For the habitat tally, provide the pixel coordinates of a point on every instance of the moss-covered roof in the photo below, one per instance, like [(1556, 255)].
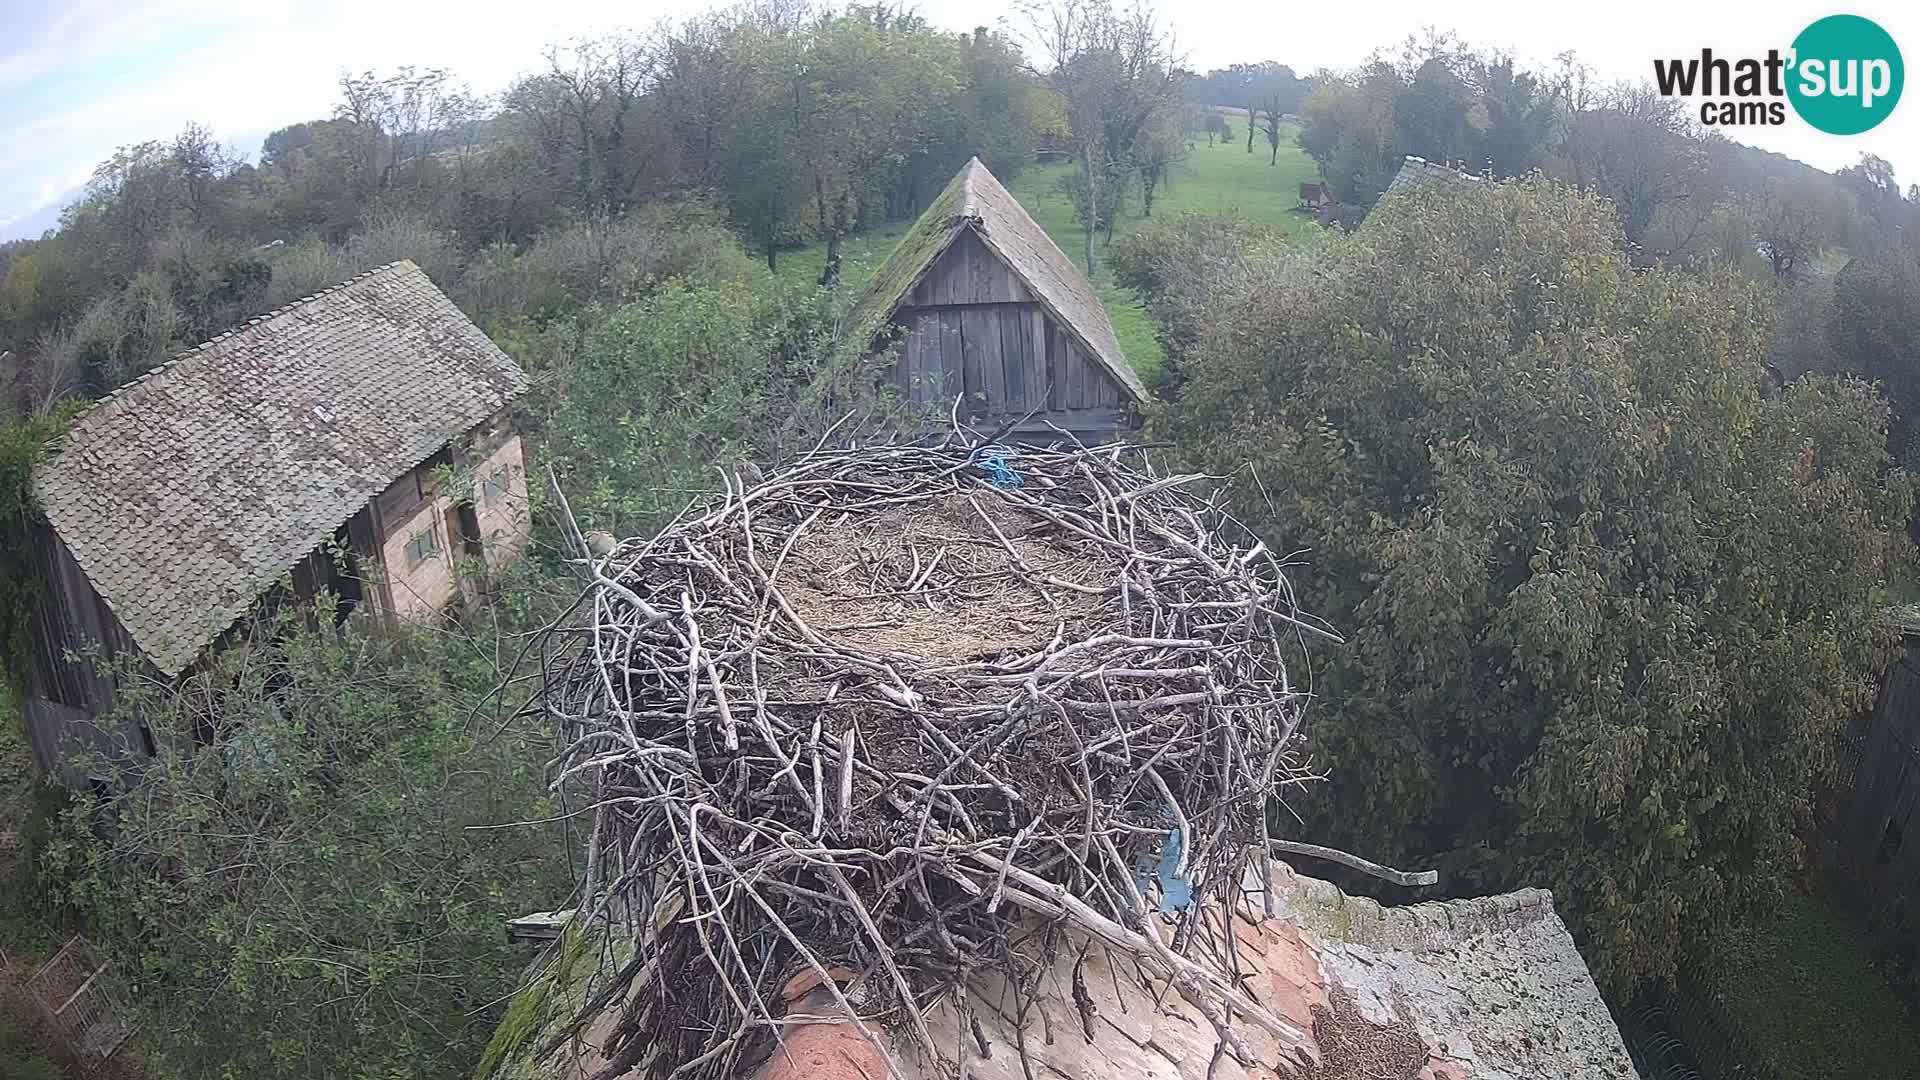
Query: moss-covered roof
[(975, 200)]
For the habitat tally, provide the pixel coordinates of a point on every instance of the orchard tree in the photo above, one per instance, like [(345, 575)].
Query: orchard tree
[(1117, 75), (1346, 126), (1606, 604), (1272, 110)]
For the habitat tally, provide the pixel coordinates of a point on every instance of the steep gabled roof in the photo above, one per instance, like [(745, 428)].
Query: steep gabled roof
[(184, 494), (974, 200)]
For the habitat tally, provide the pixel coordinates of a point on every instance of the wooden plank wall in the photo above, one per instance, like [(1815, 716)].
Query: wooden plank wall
[(75, 637), (968, 274), (973, 327), (1879, 827), (1868, 820)]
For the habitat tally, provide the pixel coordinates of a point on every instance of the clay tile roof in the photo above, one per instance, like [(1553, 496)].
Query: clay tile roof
[(185, 493), (1489, 988), (975, 200)]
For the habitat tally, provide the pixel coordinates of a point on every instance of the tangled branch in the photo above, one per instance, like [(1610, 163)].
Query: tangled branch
[(892, 713)]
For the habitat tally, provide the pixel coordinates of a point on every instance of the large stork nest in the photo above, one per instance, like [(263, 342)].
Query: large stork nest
[(876, 719)]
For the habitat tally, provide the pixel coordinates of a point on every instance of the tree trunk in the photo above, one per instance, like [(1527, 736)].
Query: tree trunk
[(1276, 153), (831, 226), (1249, 129), (1093, 211), (830, 275)]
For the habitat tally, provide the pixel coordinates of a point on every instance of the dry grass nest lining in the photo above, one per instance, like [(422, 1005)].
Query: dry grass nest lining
[(875, 714)]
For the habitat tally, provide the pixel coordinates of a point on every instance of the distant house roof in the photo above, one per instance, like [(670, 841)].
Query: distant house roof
[(974, 200), (184, 494), (1483, 989), (1419, 174)]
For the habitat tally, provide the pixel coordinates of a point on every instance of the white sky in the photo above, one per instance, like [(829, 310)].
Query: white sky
[(80, 77)]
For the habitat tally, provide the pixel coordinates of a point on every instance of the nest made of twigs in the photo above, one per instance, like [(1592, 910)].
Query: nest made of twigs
[(878, 713)]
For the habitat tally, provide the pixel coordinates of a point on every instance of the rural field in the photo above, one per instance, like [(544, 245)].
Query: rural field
[(1214, 179)]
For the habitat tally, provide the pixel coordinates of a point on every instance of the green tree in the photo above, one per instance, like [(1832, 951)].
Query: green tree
[(1346, 126), (1606, 603), (643, 406), (1433, 114), (1874, 327), (1640, 150), (1117, 76), (873, 87), (1518, 110)]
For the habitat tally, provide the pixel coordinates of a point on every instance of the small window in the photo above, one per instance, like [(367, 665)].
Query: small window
[(496, 486), (421, 547)]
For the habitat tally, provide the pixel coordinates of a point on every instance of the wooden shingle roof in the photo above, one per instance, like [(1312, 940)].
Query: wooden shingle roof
[(184, 494), (975, 200)]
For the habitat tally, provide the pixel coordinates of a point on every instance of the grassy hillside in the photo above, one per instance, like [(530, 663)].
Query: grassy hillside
[(1802, 983), (1213, 179)]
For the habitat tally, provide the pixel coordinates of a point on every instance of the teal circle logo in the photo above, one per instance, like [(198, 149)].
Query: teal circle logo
[(1846, 75)]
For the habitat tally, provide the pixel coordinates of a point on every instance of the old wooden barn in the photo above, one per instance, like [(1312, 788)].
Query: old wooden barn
[(989, 311), (357, 442)]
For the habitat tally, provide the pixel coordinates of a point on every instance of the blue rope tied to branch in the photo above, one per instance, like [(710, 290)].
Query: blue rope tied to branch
[(1176, 889), (993, 461)]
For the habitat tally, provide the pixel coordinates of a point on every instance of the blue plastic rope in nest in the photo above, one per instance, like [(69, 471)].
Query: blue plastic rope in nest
[(992, 460)]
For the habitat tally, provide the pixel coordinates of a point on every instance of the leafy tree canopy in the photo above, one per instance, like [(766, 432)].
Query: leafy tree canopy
[(1606, 602), (1874, 329)]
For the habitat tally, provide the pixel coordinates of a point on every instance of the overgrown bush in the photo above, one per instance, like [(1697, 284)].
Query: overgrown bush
[(302, 269), (1606, 603), (1178, 265), (598, 261), (639, 405), (311, 878), (22, 443)]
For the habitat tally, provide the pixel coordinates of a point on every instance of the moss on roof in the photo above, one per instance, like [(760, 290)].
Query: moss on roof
[(944, 217), (973, 199)]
